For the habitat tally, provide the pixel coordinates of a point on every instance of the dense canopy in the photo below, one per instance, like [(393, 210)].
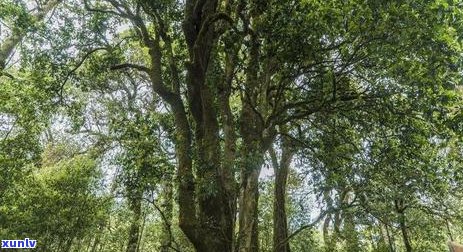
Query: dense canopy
[(231, 125)]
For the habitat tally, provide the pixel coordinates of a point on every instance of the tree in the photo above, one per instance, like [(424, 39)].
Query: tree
[(338, 70), (281, 167), (352, 86), (58, 203), (23, 22)]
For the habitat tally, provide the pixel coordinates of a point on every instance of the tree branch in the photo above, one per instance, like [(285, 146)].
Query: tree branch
[(130, 65)]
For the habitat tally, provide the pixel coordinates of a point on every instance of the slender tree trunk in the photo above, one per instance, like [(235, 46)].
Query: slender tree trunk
[(166, 208), (449, 232), (280, 225), (229, 131), (248, 211), (256, 140), (142, 229), (400, 209), (134, 231), (389, 239), (252, 151), (403, 228), (329, 246), (326, 234)]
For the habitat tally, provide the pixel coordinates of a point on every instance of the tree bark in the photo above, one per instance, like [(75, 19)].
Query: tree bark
[(167, 208), (142, 229), (207, 199), (215, 195), (390, 240), (252, 153), (403, 228), (455, 247), (248, 203), (229, 150), (280, 225), (256, 140), (400, 209)]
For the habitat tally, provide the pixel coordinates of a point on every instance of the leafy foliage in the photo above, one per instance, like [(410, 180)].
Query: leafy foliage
[(177, 106)]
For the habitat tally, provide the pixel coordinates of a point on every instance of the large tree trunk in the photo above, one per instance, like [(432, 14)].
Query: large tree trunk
[(215, 187), (205, 212), (280, 225), (207, 201)]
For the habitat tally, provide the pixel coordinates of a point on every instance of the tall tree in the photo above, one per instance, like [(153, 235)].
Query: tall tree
[(338, 69), (281, 167), (232, 73)]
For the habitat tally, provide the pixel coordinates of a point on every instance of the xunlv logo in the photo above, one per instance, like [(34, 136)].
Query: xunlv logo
[(26, 243)]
